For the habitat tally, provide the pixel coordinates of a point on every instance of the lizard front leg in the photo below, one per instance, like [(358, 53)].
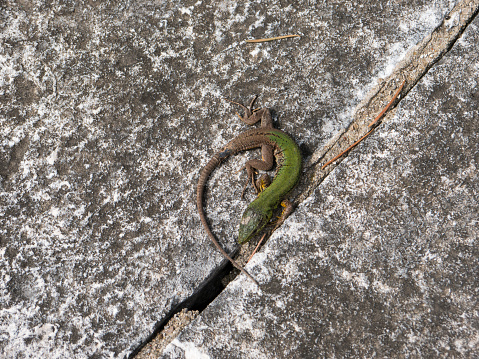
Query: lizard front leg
[(287, 210), (260, 184), (265, 164), (263, 182)]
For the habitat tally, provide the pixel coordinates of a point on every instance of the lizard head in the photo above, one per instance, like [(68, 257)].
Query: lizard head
[(251, 223)]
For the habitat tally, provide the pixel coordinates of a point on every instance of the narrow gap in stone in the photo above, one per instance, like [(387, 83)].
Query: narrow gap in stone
[(207, 292), (212, 287)]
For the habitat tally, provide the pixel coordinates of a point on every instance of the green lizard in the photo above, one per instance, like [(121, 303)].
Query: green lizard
[(273, 143)]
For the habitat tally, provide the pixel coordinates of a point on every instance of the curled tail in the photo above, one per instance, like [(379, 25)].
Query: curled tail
[(205, 173)]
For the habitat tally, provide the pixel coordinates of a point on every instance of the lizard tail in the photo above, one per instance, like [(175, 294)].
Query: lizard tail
[(205, 173)]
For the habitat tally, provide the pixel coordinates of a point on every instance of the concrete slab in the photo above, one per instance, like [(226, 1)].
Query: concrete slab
[(382, 259), (107, 112)]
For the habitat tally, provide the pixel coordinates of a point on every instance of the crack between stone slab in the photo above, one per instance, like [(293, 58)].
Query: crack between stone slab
[(164, 331), (412, 68), (183, 313)]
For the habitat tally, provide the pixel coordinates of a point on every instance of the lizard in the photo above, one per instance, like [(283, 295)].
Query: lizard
[(274, 143)]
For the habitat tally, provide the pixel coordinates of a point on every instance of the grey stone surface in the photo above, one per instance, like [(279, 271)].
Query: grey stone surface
[(382, 260), (107, 112)]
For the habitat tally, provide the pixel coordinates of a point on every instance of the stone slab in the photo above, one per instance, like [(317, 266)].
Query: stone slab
[(382, 259), (107, 112)]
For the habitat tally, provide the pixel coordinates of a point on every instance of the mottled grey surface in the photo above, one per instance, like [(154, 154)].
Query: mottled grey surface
[(382, 260), (107, 112)]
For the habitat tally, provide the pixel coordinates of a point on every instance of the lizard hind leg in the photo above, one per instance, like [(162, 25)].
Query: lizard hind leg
[(250, 177), (248, 110), (252, 116), (265, 164)]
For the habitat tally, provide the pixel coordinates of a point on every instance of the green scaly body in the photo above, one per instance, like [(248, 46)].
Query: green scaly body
[(288, 159), (259, 212)]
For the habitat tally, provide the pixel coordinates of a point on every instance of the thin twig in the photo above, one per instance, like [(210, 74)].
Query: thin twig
[(271, 38), (388, 105), (396, 94), (252, 254), (347, 150)]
